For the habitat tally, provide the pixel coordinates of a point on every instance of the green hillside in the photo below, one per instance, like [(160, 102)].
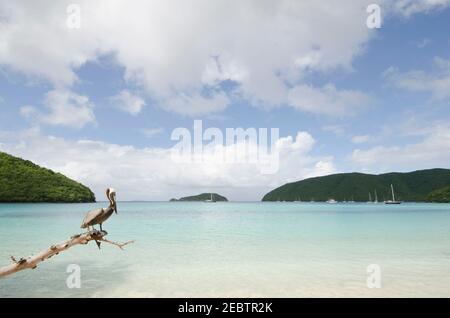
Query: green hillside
[(203, 197), (411, 186), (440, 195), (23, 181)]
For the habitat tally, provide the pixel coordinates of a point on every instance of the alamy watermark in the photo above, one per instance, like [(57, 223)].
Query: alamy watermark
[(236, 146), (374, 19), (73, 16), (374, 277), (74, 278)]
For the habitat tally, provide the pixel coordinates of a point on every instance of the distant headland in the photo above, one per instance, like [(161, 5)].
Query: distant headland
[(432, 185), (23, 181)]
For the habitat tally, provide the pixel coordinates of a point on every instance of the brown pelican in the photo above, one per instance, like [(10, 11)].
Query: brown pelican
[(101, 215)]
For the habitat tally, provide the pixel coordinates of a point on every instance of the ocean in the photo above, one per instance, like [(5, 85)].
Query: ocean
[(234, 249)]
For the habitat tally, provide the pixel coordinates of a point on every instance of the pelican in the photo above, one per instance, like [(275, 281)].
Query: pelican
[(101, 215)]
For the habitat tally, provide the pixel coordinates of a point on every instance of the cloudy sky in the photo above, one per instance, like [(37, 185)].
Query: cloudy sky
[(99, 100)]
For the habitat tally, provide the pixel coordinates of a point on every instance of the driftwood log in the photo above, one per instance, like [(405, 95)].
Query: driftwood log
[(31, 262)]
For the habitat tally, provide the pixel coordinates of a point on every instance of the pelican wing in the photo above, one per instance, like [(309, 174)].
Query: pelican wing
[(90, 217)]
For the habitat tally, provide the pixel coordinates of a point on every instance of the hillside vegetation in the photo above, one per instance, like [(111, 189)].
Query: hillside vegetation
[(23, 181), (202, 197), (440, 195), (411, 186)]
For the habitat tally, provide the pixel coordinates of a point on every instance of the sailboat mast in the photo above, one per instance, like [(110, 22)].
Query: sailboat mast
[(376, 196), (393, 196)]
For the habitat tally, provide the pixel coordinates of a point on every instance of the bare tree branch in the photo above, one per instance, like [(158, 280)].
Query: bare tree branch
[(33, 261), (119, 245)]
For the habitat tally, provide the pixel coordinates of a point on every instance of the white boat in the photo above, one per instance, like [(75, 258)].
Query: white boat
[(332, 201), (393, 201), (211, 199), (370, 198)]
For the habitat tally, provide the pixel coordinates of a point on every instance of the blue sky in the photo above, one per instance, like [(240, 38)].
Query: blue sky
[(372, 100)]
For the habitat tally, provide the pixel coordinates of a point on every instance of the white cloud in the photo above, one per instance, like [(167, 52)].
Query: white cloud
[(436, 82), (177, 47), (327, 100), (151, 132), (423, 43), (176, 50), (66, 108), (150, 173), (303, 142), (28, 111), (410, 7), (432, 151), (129, 102), (335, 129), (196, 104), (359, 139)]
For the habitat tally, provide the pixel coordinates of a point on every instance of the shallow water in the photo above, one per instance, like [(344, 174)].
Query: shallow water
[(195, 249)]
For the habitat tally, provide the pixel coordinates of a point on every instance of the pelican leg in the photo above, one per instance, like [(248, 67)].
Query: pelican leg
[(101, 227)]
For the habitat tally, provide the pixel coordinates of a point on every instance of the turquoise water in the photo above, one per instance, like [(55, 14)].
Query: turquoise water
[(234, 249)]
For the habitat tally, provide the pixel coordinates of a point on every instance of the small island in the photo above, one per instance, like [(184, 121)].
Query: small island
[(206, 197), (22, 181)]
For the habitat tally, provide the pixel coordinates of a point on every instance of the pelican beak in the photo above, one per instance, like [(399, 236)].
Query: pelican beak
[(115, 207)]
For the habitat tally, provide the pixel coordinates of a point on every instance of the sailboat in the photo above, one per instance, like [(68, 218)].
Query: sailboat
[(211, 199), (370, 198), (393, 198), (376, 197)]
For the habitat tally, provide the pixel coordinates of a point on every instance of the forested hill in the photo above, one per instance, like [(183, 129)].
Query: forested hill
[(411, 186), (23, 181), (203, 197), (440, 195)]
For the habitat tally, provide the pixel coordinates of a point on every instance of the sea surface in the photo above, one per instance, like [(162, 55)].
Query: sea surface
[(231, 249)]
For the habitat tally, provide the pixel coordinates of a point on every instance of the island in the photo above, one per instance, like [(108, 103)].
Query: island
[(416, 186), (207, 197), (23, 181)]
